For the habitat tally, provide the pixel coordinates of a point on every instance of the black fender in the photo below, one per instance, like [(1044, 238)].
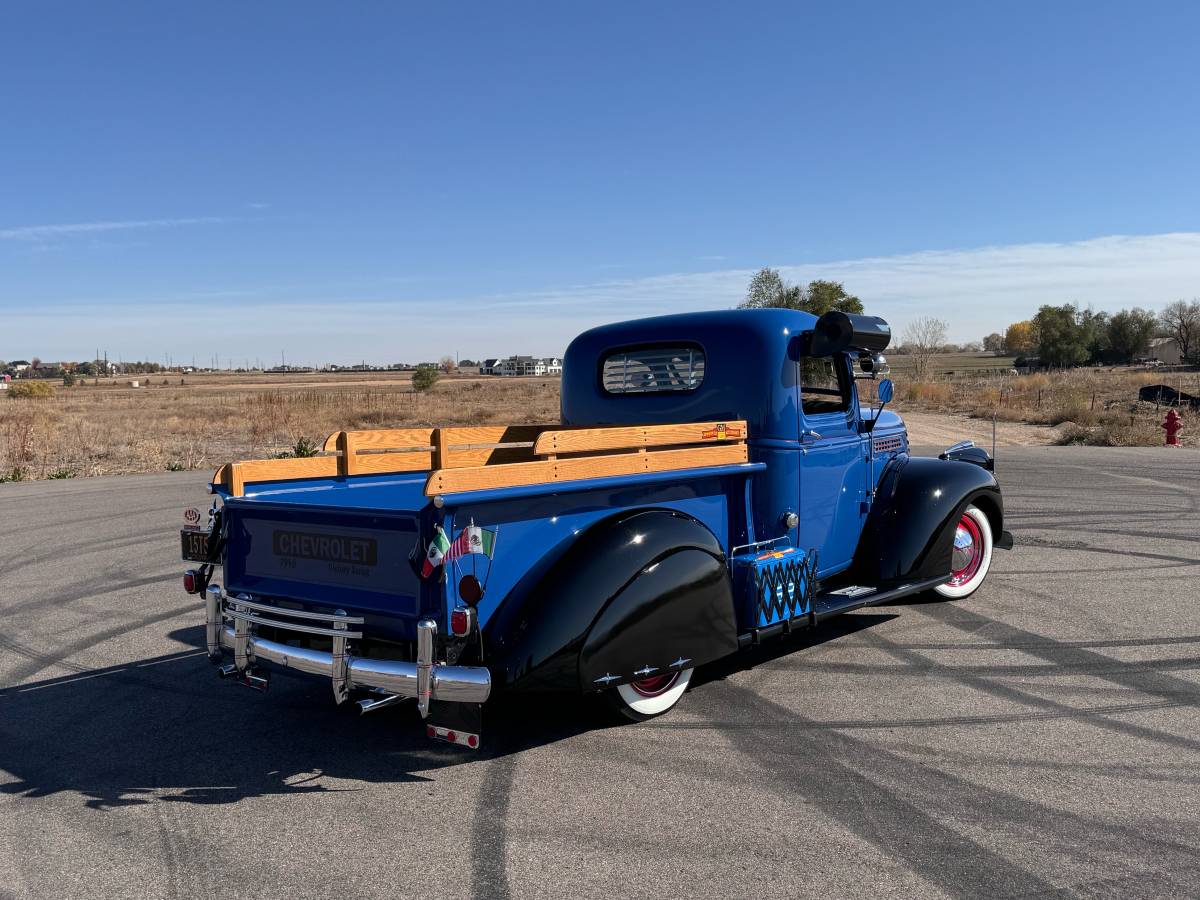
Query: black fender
[(909, 533), (644, 587)]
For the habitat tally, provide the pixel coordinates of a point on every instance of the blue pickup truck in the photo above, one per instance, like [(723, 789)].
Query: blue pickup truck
[(716, 479)]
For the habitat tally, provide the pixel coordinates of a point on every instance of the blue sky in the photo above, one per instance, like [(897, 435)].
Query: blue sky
[(393, 181)]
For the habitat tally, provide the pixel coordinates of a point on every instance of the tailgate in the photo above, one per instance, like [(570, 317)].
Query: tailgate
[(355, 560)]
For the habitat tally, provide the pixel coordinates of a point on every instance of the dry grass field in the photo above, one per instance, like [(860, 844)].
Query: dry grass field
[(1097, 406), (111, 429)]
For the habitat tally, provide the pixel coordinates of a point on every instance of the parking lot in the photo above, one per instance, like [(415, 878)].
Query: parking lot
[(1040, 739)]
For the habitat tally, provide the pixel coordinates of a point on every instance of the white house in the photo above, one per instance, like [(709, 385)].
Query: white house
[(1167, 349)]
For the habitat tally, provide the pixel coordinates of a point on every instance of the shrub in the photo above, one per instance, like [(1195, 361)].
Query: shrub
[(30, 390), (304, 448), (424, 379), (62, 473), (68, 379)]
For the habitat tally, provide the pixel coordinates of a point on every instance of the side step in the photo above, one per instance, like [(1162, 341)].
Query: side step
[(828, 604)]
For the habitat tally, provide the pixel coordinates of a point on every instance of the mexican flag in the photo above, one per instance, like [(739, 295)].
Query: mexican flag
[(436, 552), (472, 539)]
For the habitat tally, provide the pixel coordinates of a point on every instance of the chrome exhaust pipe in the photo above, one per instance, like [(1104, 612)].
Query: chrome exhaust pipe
[(371, 704)]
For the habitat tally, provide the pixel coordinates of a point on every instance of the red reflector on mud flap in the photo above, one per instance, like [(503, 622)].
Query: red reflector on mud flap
[(189, 581), (460, 621)]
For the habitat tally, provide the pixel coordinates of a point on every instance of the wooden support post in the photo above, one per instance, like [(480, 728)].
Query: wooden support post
[(439, 449), (348, 461)]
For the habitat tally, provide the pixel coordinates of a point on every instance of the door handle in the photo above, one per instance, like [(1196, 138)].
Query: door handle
[(809, 433)]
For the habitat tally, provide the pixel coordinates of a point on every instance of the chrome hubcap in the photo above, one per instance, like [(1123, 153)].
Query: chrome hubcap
[(964, 549)]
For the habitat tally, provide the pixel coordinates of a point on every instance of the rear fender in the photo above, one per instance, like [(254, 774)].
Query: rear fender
[(909, 534), (657, 570)]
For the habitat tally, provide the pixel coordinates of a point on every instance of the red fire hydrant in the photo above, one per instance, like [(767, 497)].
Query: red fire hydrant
[(1173, 424)]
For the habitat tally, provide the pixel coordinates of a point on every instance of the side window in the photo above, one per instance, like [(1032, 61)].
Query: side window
[(652, 370), (824, 386)]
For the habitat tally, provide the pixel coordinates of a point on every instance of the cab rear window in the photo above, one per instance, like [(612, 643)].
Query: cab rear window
[(824, 386), (651, 370)]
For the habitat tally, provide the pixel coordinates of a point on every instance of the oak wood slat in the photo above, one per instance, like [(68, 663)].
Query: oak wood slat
[(450, 481), (384, 439), (478, 445), (582, 440)]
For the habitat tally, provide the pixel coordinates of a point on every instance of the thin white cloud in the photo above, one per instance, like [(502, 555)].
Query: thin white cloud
[(976, 290), (44, 232)]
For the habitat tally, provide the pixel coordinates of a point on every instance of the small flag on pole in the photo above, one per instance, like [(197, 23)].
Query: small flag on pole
[(436, 552), (472, 539)]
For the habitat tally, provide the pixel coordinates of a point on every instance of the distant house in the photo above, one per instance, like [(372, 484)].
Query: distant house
[(521, 365), (1166, 349)]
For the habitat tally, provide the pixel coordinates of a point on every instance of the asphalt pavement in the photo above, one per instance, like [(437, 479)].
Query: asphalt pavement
[(1039, 739)]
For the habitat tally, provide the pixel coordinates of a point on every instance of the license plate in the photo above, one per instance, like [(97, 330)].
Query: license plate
[(196, 545)]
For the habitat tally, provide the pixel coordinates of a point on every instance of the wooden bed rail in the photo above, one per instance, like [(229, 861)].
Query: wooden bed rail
[(477, 458)]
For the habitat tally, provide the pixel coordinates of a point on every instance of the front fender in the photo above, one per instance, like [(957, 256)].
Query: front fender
[(909, 534), (536, 637)]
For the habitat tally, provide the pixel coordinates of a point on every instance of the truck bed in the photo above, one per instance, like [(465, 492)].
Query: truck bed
[(427, 462)]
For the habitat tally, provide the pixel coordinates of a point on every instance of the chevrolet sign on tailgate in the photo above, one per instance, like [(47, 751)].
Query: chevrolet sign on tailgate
[(375, 560)]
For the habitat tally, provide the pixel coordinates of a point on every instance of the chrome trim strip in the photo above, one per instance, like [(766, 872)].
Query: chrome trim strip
[(426, 635), (295, 613), (212, 621), (288, 626)]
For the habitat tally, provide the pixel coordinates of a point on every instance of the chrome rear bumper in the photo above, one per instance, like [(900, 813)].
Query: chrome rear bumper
[(425, 679)]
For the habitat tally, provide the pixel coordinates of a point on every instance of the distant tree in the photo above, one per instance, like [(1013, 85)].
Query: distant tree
[(467, 364), (447, 364), (822, 296), (994, 342), (768, 290), (35, 364), (1020, 337), (1129, 333), (924, 337), (424, 378), (1062, 338), (68, 379), (1181, 320), (1094, 333)]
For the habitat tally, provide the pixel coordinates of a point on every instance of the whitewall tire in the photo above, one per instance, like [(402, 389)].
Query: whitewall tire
[(650, 697), (972, 555)]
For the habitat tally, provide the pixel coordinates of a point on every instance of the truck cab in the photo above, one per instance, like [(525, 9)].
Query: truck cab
[(715, 479)]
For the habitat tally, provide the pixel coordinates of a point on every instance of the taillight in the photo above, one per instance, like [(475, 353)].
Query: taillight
[(189, 581), (460, 621)]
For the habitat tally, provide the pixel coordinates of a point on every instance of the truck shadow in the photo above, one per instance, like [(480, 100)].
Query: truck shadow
[(168, 729)]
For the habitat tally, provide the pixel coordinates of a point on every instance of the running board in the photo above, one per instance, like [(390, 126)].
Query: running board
[(828, 604)]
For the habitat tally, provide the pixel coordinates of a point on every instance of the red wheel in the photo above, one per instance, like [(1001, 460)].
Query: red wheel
[(971, 557)]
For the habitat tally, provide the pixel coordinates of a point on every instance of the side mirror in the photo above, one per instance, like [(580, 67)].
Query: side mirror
[(886, 391)]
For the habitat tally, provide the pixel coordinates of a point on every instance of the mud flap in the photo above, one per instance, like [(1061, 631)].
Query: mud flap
[(458, 723)]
